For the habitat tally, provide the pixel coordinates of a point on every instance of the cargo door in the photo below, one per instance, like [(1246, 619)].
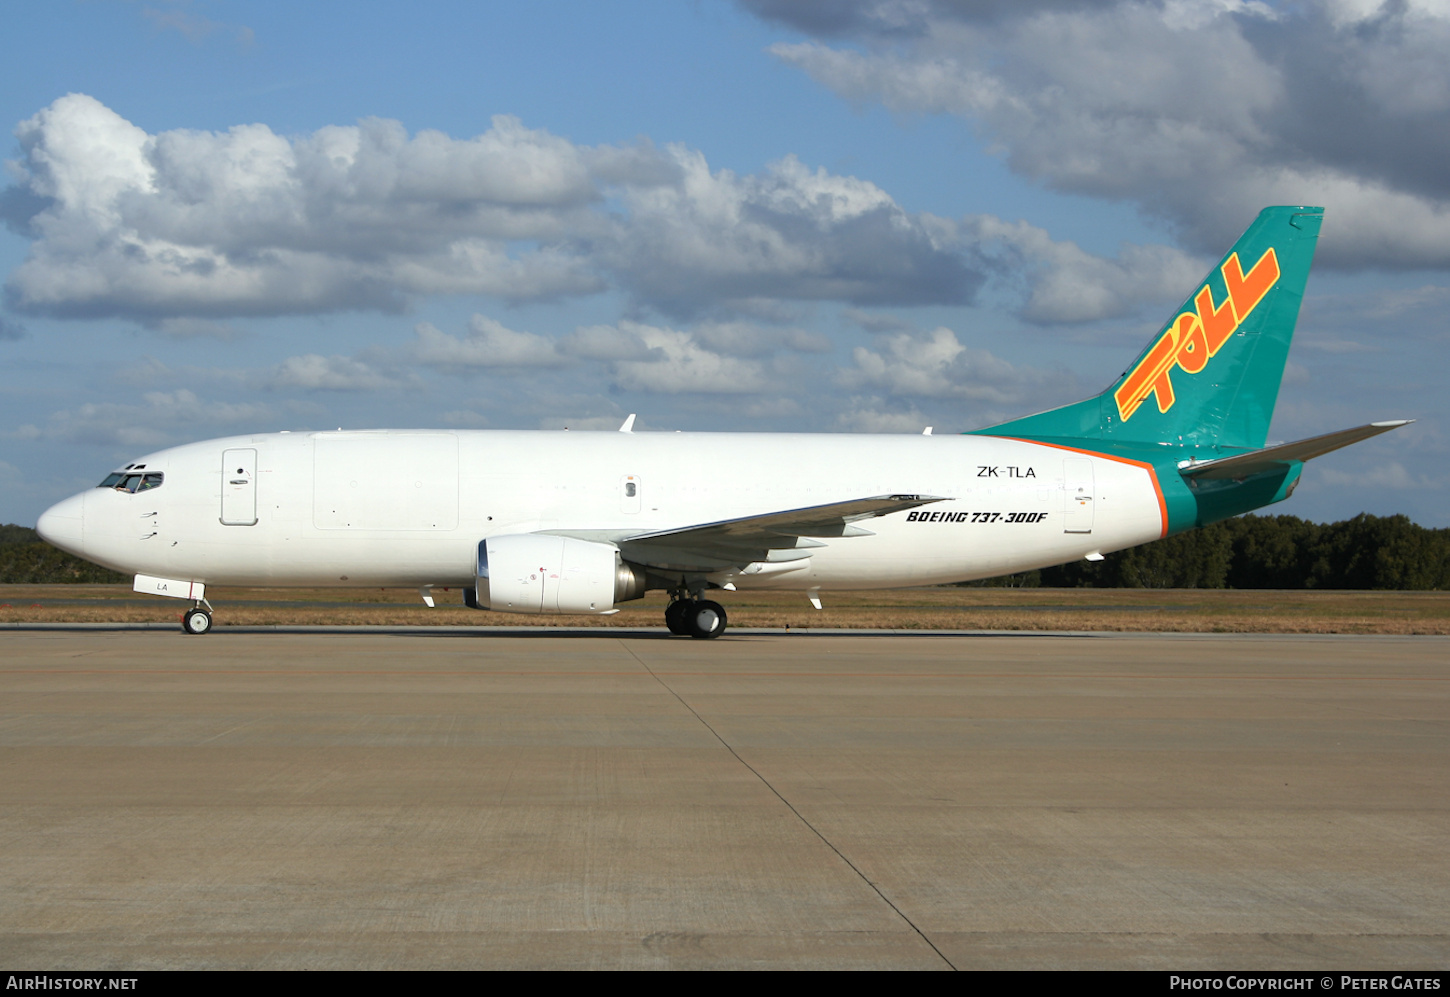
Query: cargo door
[(385, 481), (1077, 495), (239, 487)]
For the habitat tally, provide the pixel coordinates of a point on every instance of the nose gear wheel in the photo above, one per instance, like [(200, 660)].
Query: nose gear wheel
[(196, 621)]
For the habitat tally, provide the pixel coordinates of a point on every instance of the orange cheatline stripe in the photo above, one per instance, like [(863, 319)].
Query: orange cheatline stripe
[(1152, 472)]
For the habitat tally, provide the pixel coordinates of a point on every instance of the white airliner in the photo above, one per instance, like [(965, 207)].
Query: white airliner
[(576, 522)]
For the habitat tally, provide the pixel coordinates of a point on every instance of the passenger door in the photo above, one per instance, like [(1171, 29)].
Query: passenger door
[(239, 487)]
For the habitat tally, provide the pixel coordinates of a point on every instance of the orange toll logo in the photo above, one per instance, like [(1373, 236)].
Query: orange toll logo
[(1195, 336)]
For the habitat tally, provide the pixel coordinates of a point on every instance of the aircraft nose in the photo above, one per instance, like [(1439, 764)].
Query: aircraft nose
[(63, 524)]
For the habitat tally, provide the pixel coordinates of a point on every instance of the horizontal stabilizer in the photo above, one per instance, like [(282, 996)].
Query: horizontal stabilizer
[(1244, 465)]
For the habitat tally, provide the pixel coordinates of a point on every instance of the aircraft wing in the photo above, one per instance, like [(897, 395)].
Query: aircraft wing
[(1246, 464), (773, 536)]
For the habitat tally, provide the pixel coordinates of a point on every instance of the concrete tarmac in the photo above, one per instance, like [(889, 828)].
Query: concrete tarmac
[(621, 799)]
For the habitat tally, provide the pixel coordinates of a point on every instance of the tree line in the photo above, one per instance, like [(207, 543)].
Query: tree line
[(1250, 552), (1268, 552), (25, 559)]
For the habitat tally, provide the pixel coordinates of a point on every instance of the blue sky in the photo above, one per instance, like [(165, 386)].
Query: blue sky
[(766, 215)]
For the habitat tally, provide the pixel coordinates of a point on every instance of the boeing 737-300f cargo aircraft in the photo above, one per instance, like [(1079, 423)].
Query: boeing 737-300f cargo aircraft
[(546, 522)]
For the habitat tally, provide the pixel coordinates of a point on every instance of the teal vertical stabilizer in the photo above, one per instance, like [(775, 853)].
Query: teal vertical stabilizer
[(1207, 383)]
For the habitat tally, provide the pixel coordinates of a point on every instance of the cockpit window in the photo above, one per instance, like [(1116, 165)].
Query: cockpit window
[(123, 482)]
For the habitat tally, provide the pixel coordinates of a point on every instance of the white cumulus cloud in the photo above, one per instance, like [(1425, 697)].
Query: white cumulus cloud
[(790, 232), (1068, 284), (871, 415), (189, 224), (488, 343), (335, 373), (1199, 111), (679, 364), (938, 365), (156, 419)]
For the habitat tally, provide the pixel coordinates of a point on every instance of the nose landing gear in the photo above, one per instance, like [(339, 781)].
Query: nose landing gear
[(196, 620)]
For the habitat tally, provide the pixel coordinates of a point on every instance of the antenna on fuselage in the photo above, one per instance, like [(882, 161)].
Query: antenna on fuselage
[(628, 426)]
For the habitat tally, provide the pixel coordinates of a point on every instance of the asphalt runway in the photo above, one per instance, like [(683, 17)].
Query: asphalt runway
[(620, 799)]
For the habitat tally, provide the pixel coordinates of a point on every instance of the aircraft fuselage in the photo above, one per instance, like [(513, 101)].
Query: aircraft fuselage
[(409, 508)]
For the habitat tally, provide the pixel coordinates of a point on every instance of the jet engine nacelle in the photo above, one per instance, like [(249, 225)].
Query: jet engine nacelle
[(540, 573)]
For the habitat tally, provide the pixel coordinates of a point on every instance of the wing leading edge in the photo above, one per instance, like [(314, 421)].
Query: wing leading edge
[(773, 537)]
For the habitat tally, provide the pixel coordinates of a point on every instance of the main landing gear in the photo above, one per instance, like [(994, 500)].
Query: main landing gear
[(196, 620), (696, 617)]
